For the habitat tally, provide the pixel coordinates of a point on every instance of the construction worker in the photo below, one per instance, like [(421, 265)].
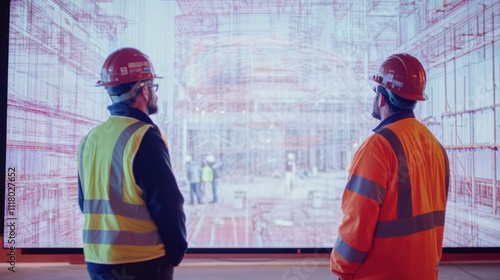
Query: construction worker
[(134, 222), (290, 169), (215, 166), (207, 178), (194, 178), (395, 198)]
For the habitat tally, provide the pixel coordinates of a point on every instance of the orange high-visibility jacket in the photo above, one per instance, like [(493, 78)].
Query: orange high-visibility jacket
[(394, 206)]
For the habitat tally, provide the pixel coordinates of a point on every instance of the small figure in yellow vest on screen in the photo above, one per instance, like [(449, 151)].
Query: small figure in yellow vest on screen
[(134, 224), (395, 198), (207, 178), (215, 165)]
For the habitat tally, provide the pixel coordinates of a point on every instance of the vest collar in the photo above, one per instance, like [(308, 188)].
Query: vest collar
[(393, 118), (125, 110)]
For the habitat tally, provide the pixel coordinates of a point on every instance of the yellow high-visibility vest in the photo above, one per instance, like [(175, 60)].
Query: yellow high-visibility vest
[(118, 227)]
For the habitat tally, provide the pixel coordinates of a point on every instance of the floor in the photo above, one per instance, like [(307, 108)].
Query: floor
[(245, 269)]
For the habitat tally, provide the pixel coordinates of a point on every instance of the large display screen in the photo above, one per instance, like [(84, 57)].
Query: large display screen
[(273, 92)]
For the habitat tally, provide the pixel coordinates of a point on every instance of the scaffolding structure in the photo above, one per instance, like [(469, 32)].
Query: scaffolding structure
[(455, 39), (53, 54)]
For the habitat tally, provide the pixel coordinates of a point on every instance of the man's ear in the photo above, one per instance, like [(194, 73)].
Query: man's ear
[(382, 100), (144, 93)]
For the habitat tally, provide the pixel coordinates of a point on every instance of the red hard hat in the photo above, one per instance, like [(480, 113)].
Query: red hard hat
[(404, 75), (124, 66)]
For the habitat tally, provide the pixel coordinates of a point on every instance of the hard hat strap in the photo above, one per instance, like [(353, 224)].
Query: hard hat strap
[(129, 94), (119, 98), (407, 106)]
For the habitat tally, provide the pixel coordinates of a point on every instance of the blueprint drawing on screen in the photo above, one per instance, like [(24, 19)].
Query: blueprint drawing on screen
[(273, 93)]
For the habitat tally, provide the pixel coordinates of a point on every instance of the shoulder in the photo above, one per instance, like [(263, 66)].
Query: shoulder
[(153, 135), (376, 149), (373, 143), (153, 144)]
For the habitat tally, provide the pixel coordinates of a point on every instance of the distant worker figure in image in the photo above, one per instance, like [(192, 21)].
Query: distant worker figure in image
[(290, 169), (216, 166), (194, 178), (207, 177), (395, 198), (134, 222)]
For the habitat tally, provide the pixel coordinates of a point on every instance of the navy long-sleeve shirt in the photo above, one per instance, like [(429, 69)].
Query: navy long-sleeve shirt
[(153, 173)]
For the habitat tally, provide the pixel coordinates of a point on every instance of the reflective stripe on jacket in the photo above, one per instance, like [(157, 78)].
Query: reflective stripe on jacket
[(394, 206), (117, 227)]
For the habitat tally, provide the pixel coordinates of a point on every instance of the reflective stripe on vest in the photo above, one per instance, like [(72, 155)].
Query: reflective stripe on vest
[(366, 187), (406, 224), (349, 253), (115, 204), (404, 185)]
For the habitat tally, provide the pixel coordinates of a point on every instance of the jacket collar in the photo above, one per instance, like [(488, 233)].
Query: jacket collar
[(393, 118), (125, 110)]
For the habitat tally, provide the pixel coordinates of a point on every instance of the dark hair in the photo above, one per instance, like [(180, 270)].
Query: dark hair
[(391, 106), (403, 101), (120, 89), (124, 88)]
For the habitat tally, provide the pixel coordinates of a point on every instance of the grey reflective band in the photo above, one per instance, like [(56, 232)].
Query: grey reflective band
[(113, 207), (366, 188), (404, 185), (116, 170), (114, 237), (407, 226), (349, 253)]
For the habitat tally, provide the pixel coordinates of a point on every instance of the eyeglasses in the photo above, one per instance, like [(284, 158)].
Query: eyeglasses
[(154, 87)]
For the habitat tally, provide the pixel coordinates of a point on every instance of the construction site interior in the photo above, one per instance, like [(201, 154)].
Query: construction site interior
[(253, 83)]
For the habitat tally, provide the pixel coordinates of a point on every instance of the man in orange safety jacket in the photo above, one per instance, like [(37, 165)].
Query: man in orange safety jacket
[(395, 199)]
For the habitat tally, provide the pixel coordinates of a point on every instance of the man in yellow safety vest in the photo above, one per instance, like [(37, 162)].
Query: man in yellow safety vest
[(133, 210)]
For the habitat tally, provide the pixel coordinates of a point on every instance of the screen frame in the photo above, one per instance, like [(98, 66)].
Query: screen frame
[(260, 251), (4, 65), (4, 69)]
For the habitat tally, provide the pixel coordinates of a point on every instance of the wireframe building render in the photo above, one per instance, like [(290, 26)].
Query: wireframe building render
[(248, 83)]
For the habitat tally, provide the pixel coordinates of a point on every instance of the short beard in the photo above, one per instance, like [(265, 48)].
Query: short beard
[(152, 109), (152, 105), (376, 112)]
